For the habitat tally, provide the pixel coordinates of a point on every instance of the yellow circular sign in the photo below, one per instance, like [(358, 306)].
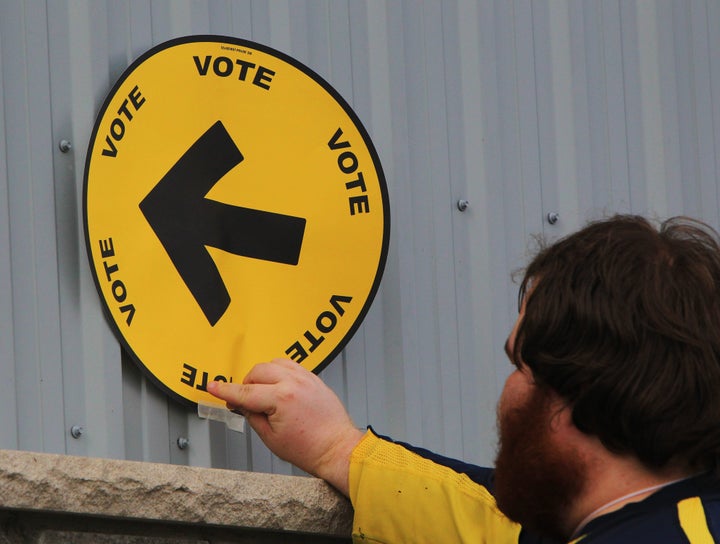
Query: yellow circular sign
[(235, 211)]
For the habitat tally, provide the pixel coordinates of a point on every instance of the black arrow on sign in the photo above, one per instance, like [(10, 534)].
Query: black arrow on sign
[(185, 221)]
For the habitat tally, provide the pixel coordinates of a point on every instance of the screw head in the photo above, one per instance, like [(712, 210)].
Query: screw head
[(463, 204), (65, 145), (553, 217), (76, 431), (182, 442)]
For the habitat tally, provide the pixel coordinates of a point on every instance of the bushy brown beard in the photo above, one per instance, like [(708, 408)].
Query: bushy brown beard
[(537, 479)]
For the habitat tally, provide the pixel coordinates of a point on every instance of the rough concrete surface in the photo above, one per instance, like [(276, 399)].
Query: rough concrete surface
[(72, 489)]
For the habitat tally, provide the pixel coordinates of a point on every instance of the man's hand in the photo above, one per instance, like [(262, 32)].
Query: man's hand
[(297, 416)]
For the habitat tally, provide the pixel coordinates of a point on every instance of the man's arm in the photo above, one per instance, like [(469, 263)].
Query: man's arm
[(398, 495), (297, 416)]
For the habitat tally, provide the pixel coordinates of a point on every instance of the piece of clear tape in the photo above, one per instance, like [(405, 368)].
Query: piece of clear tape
[(216, 412)]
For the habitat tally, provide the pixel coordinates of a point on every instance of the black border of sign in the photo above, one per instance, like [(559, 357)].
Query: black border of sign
[(339, 99)]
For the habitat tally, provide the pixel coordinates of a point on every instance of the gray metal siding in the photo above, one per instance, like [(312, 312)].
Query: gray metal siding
[(521, 107)]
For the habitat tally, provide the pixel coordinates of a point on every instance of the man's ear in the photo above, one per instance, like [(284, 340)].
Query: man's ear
[(561, 414)]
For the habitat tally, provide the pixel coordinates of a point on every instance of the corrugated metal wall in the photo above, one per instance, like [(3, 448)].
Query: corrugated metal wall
[(524, 108)]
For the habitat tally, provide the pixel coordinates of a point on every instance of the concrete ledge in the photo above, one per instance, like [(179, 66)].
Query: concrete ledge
[(79, 494)]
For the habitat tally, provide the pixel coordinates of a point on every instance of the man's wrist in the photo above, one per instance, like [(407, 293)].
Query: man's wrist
[(334, 468)]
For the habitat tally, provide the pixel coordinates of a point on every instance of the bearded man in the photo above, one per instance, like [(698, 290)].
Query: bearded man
[(609, 423)]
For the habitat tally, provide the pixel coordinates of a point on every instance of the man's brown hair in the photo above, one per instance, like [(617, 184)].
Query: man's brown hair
[(622, 320)]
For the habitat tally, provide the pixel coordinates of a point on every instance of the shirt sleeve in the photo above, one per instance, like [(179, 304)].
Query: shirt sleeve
[(400, 495)]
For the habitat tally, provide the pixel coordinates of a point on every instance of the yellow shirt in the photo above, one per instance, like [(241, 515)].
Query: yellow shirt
[(402, 497)]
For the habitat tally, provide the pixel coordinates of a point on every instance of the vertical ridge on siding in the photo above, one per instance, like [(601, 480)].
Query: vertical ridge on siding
[(8, 390)]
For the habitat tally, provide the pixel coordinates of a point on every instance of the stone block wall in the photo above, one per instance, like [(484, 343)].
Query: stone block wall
[(47, 498)]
